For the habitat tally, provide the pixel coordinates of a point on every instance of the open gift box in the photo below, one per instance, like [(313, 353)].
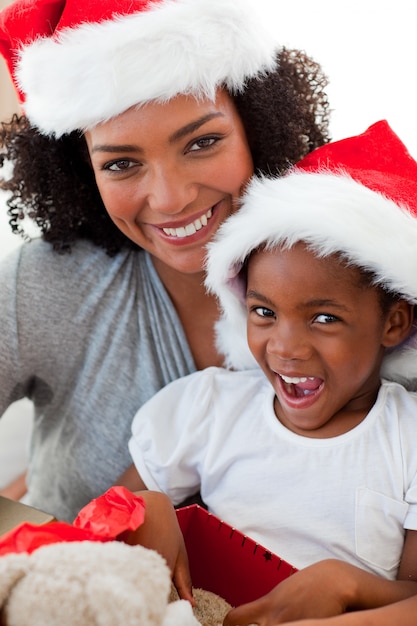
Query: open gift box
[(222, 559), (225, 561), (14, 513)]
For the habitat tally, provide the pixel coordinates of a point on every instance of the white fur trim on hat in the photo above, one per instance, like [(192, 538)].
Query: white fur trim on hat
[(85, 75), (332, 213)]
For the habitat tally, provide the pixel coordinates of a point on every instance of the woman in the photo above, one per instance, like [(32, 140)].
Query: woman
[(143, 123)]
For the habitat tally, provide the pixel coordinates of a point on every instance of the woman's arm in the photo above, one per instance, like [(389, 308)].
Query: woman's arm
[(16, 489)]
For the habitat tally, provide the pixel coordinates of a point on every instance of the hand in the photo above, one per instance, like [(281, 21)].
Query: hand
[(321, 590), (402, 612), (161, 532), (16, 489), (329, 589), (358, 618), (333, 621)]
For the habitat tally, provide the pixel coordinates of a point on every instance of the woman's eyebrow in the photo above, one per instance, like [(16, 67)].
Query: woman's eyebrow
[(178, 134), (114, 148), (193, 126)]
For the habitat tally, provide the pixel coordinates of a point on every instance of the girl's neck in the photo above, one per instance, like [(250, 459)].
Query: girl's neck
[(348, 418)]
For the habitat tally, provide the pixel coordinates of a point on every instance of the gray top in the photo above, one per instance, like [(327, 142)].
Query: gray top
[(89, 339)]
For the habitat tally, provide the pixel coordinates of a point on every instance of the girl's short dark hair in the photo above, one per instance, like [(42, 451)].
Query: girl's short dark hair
[(285, 115)]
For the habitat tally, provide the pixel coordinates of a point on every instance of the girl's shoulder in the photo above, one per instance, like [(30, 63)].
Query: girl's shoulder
[(221, 383), (398, 403)]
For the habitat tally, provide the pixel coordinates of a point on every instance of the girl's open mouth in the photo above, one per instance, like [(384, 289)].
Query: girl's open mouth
[(300, 391)]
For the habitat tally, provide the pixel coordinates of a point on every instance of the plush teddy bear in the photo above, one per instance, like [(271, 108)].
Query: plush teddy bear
[(88, 583)]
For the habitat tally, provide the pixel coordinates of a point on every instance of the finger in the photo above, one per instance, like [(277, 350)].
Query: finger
[(184, 589), (182, 579), (244, 615)]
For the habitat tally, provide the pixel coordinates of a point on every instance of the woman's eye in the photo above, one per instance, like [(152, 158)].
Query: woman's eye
[(202, 143), (121, 165), (326, 318)]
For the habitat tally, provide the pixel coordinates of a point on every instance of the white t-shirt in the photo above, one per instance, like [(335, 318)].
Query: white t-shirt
[(305, 499)]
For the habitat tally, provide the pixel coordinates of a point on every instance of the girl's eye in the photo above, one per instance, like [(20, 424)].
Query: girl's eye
[(326, 318), (203, 143), (262, 311), (119, 165)]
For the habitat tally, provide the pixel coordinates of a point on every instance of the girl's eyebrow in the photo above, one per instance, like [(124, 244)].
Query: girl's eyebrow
[(252, 293), (178, 134), (318, 302), (323, 302)]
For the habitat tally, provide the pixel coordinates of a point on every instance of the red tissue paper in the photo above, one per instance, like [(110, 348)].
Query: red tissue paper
[(102, 519)]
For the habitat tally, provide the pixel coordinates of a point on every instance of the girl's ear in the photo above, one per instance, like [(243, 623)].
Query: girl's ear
[(398, 323)]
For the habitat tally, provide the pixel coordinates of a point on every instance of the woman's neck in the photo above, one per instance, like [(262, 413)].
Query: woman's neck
[(198, 311)]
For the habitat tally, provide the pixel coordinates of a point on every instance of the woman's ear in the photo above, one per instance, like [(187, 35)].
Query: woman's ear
[(398, 323)]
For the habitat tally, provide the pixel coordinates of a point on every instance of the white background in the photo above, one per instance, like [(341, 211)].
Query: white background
[(368, 49)]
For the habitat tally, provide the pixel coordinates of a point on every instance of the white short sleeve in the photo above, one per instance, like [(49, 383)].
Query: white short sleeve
[(169, 435)]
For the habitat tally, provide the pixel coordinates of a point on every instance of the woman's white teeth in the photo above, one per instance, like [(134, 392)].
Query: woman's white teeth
[(295, 380), (190, 229)]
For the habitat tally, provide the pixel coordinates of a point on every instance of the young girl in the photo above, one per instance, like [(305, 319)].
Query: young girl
[(312, 453), (143, 122)]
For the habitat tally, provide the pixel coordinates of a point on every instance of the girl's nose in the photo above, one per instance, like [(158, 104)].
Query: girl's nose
[(289, 342), (169, 191)]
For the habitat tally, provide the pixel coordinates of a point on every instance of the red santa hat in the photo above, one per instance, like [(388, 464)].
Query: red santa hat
[(358, 197), (77, 63)]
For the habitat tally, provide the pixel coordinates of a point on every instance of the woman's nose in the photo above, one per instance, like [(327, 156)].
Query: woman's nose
[(169, 190)]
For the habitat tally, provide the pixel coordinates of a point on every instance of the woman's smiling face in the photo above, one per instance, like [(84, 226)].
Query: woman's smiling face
[(318, 334), (170, 173)]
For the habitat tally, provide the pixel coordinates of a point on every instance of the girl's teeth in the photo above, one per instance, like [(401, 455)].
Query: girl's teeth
[(190, 229), (295, 380)]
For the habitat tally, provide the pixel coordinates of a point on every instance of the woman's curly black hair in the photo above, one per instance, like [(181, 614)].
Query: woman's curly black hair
[(285, 115)]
